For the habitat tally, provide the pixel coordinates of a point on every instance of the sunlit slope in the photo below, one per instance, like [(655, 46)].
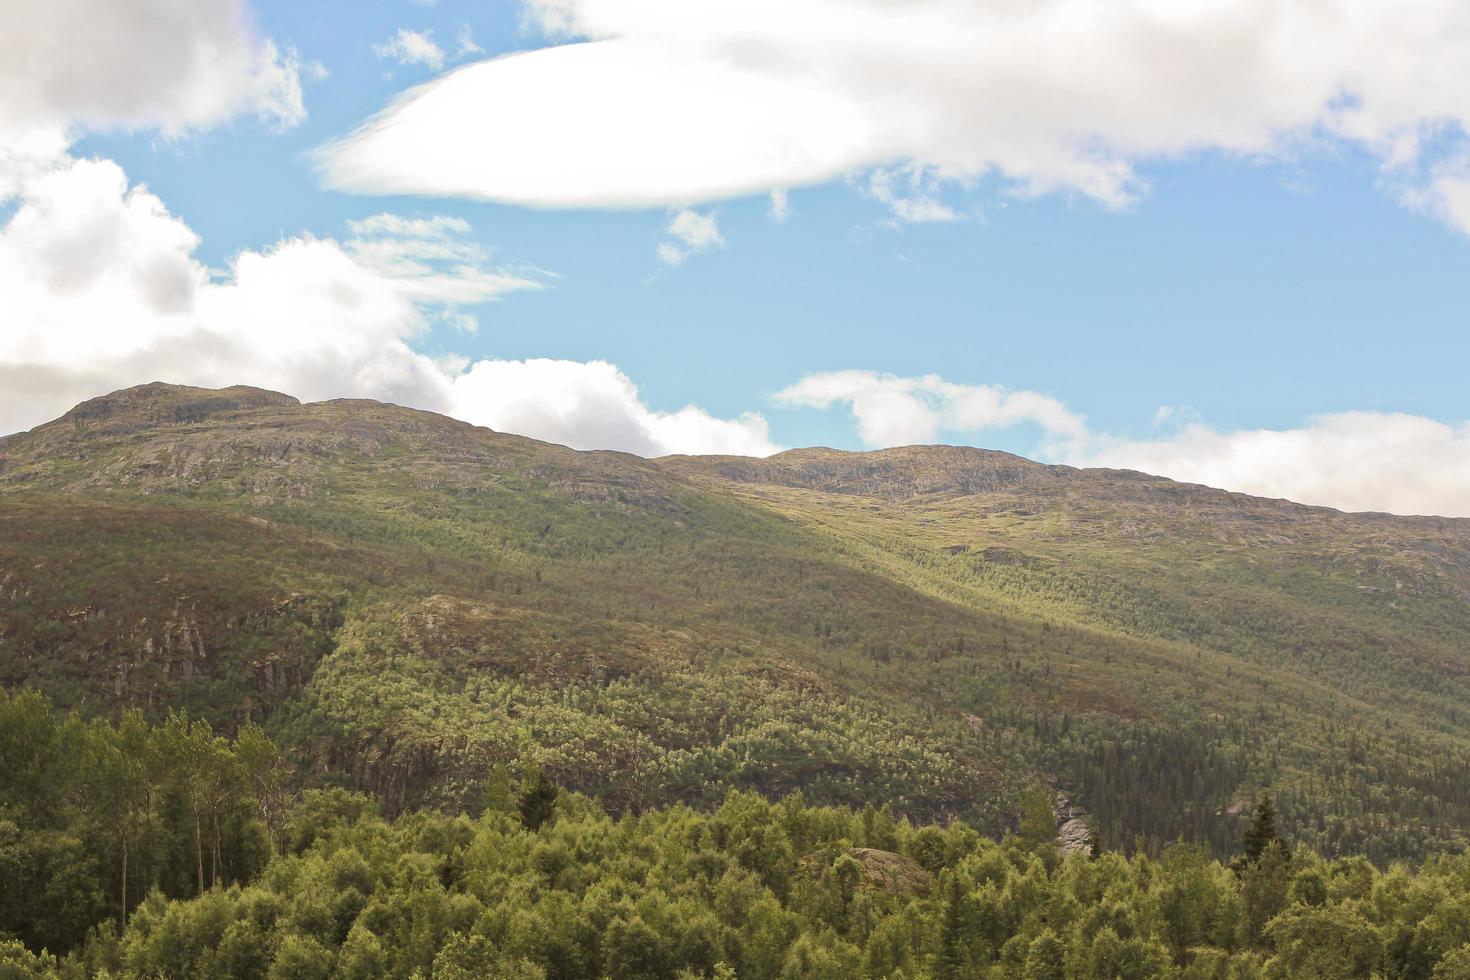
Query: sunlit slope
[(411, 601), (1374, 606), (1336, 646)]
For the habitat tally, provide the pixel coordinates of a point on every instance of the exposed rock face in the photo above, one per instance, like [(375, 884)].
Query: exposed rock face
[(1074, 834), (883, 871), (157, 405), (892, 872)]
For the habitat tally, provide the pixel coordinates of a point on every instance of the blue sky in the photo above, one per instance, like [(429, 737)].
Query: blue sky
[(1259, 295)]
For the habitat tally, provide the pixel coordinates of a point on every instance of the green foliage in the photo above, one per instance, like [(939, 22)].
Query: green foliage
[(1038, 825), (750, 889), (95, 816), (19, 963), (1332, 941)]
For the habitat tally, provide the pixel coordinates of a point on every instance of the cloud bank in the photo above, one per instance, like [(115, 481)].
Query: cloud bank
[(1402, 464), (663, 102)]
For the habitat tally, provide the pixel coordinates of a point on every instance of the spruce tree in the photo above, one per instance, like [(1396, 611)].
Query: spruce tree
[(538, 801), (953, 931), (1262, 830)]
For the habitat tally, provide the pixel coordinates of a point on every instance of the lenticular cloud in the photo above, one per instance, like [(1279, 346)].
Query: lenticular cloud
[(663, 102)]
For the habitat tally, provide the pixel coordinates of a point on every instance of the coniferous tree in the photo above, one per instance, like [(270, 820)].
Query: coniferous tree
[(1045, 958), (954, 931), (1262, 830), (538, 801)]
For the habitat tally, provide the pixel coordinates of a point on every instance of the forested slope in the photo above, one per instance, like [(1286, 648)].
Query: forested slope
[(405, 602)]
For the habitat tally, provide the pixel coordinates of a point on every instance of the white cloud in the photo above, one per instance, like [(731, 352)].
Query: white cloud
[(593, 405), (465, 41), (693, 232), (1445, 194), (167, 64), (1403, 464), (412, 48), (780, 208), (434, 260), (696, 230), (102, 290), (912, 193), (667, 103), (894, 411)]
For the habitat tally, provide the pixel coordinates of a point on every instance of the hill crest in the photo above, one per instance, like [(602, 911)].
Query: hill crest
[(895, 474)]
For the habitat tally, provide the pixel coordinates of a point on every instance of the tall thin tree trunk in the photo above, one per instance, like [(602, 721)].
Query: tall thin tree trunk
[(125, 879), (214, 849), (199, 850)]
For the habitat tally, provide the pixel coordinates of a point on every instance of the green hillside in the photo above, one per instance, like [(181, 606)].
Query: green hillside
[(407, 603)]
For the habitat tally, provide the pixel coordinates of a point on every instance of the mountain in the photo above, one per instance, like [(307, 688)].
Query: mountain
[(407, 602)]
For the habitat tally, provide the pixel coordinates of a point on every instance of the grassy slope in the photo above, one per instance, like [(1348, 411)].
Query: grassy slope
[(413, 600)]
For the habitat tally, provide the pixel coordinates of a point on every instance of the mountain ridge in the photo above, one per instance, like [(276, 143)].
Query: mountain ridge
[(970, 469)]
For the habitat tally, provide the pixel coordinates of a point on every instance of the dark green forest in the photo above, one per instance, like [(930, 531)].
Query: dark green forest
[(138, 850)]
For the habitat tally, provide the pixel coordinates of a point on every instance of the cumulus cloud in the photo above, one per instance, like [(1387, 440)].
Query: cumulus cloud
[(101, 283), (692, 232), (662, 102), (102, 290), (1402, 464), (168, 64), (412, 48), (892, 411), (593, 405)]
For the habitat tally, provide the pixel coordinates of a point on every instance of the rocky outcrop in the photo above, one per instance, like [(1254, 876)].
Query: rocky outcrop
[(882, 871), (1074, 833)]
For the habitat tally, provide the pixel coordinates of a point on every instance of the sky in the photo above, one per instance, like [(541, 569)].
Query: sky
[(1225, 241)]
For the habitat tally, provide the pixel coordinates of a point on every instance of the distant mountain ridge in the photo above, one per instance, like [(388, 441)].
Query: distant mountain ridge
[(407, 600)]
